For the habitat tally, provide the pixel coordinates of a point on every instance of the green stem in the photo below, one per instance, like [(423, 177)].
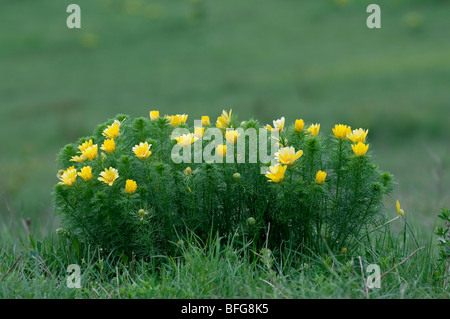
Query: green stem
[(338, 181)]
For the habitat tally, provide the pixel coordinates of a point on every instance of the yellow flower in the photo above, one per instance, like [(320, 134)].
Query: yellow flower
[(205, 120), (400, 211), (344, 250), (86, 173), (320, 177), (109, 176), (358, 135), (360, 148), (68, 177), (142, 150), (224, 120), (85, 146), (186, 139), (199, 131), (221, 150), (154, 115), (112, 131), (231, 136), (299, 124), (176, 119), (91, 152), (109, 146), (130, 186), (78, 159), (187, 171), (341, 131), (314, 129), (276, 173), (287, 155), (278, 125)]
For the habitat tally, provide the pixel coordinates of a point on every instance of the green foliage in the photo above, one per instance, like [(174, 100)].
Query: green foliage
[(443, 233), (230, 198), (220, 267)]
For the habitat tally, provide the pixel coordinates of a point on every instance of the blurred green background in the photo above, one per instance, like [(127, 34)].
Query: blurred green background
[(309, 59)]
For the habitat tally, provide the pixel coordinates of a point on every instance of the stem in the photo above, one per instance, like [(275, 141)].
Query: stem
[(386, 223), (338, 173)]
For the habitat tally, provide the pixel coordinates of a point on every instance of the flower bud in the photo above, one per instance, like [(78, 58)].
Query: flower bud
[(142, 213), (251, 221), (180, 243)]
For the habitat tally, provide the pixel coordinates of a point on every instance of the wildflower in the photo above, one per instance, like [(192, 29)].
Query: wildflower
[(177, 119), (68, 177), (320, 177), (358, 135), (341, 131), (154, 115), (344, 250), (130, 186), (142, 150), (287, 155), (112, 131), (205, 120), (78, 159), (109, 176), (186, 139), (231, 136), (278, 125), (109, 146), (199, 131), (221, 150), (91, 152), (224, 120), (86, 173), (276, 173), (187, 171), (299, 124), (400, 211), (85, 145), (360, 148), (314, 129)]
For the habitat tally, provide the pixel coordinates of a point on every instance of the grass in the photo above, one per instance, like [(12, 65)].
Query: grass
[(309, 59), (220, 268)]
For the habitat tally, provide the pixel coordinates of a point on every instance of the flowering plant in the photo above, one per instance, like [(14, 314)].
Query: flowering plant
[(318, 192)]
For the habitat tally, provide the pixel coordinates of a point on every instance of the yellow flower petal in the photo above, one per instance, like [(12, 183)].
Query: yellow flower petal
[(341, 131), (154, 115), (86, 173), (320, 177), (276, 174), (68, 177), (360, 148), (130, 186), (142, 150), (109, 176)]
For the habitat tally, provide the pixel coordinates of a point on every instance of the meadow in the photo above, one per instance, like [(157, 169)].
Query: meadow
[(263, 59)]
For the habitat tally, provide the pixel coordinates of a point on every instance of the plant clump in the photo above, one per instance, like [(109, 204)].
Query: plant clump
[(123, 188)]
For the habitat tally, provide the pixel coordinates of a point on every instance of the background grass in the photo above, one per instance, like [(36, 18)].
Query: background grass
[(314, 60)]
